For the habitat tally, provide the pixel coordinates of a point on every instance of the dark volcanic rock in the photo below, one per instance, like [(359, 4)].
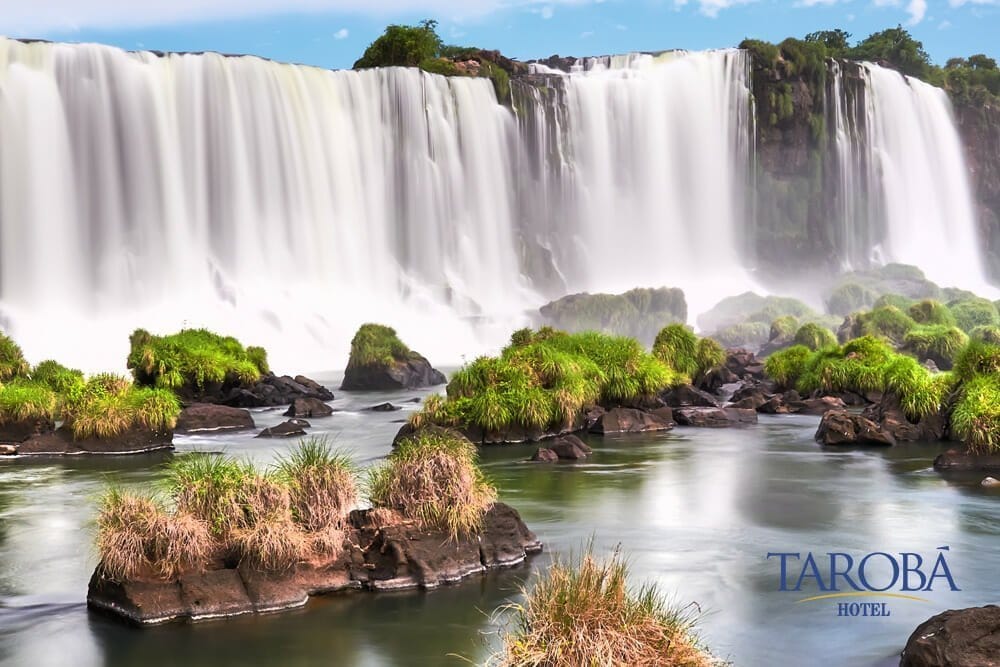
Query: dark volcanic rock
[(840, 427), (686, 396), (136, 440), (385, 407), (544, 455), (630, 420), (816, 406), (19, 431), (308, 407), (272, 390), (373, 557), (292, 428), (891, 419), (209, 417), (714, 417), (956, 638), (412, 373), (570, 448), (962, 461)]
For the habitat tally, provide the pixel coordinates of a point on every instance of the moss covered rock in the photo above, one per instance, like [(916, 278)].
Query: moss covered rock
[(639, 313), (380, 361)]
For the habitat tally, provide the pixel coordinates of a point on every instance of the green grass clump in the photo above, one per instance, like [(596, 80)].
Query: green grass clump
[(938, 342), (57, 377), (193, 359), (786, 366), (986, 334), (976, 418), (896, 300), (377, 345), (753, 334), (849, 298), (676, 345), (638, 313), (977, 358), (971, 313), (930, 311), (783, 328), (207, 486), (587, 613), (814, 336), (433, 478), (23, 400), (109, 405), (12, 362), (888, 322), (708, 355)]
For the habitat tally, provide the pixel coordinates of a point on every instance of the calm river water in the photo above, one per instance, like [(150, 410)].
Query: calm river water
[(695, 510)]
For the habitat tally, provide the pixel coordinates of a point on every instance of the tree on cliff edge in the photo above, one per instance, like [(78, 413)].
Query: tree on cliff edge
[(402, 46)]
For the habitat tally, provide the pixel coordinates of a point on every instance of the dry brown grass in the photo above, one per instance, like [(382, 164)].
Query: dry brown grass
[(587, 615), (322, 483), (266, 534), (433, 478), (181, 543)]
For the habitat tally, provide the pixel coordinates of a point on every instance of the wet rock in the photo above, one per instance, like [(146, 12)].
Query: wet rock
[(990, 482), (24, 429), (956, 638), (8, 450), (890, 417), (202, 417), (384, 407), (717, 378), (308, 407), (136, 440), (570, 448), (714, 417), (840, 427), (774, 406), (292, 428), (273, 390), (817, 406), (410, 373), (544, 455), (686, 395), (630, 420), (965, 461)]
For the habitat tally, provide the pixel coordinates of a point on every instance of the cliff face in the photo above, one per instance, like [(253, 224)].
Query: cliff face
[(979, 126)]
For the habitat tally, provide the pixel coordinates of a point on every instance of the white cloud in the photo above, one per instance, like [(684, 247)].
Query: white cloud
[(341, 34), (547, 12), (959, 3), (711, 8), (586, 33), (621, 27), (916, 9), (944, 25)]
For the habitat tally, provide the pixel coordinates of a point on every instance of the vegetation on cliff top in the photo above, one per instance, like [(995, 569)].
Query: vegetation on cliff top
[(587, 613), (377, 345), (638, 313), (191, 360)]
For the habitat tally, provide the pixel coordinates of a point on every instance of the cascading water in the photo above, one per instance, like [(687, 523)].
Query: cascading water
[(903, 183)]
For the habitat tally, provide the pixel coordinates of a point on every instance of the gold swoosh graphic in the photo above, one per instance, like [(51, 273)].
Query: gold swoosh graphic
[(863, 594)]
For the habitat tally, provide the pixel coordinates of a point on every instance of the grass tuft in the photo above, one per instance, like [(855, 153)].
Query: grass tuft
[(938, 342), (377, 345), (109, 405), (322, 484), (586, 613), (23, 400), (976, 418), (814, 337), (12, 362), (930, 311), (192, 359)]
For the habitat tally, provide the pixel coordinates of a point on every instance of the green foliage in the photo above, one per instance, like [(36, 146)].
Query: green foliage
[(888, 322), (896, 47), (433, 477), (402, 46), (972, 313), (786, 366), (752, 334), (849, 298), (207, 486), (977, 358), (814, 336), (192, 359), (676, 345), (22, 400), (976, 418), (109, 405), (986, 334), (975, 80), (12, 362), (377, 345), (938, 342), (708, 355), (751, 307), (930, 311), (499, 77), (835, 41), (57, 377), (895, 300), (638, 313), (761, 51), (441, 66), (783, 328)]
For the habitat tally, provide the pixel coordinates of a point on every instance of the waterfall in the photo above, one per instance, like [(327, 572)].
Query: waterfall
[(902, 181), (288, 204)]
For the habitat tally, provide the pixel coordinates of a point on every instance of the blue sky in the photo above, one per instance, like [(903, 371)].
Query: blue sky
[(333, 33)]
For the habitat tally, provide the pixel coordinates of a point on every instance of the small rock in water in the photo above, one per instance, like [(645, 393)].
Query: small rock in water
[(385, 407), (7, 450), (990, 481), (289, 429), (545, 455)]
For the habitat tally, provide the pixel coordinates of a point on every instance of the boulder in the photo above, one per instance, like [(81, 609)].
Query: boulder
[(273, 390), (630, 420), (201, 417), (292, 428), (686, 395), (840, 427), (990, 482), (816, 406), (308, 407), (570, 448), (24, 429), (965, 461), (8, 450), (714, 417), (135, 440), (411, 373), (890, 417), (774, 406), (384, 407), (956, 638), (544, 455)]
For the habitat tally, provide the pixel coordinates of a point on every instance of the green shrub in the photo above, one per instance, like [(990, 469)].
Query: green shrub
[(708, 355), (22, 400), (377, 345), (12, 362), (930, 311), (433, 478), (783, 328), (814, 336), (745, 334), (972, 313), (938, 342), (638, 313), (897, 300), (441, 66), (321, 482), (986, 334), (849, 298), (402, 46), (786, 366), (976, 418), (676, 345), (977, 358), (888, 322), (57, 377), (192, 359), (751, 307), (109, 405)]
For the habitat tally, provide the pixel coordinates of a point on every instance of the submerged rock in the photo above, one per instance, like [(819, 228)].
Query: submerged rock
[(384, 407), (966, 461), (544, 455), (135, 440), (201, 417), (686, 395), (714, 417), (631, 420), (308, 407), (373, 557), (292, 428), (570, 448), (840, 427), (956, 638)]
